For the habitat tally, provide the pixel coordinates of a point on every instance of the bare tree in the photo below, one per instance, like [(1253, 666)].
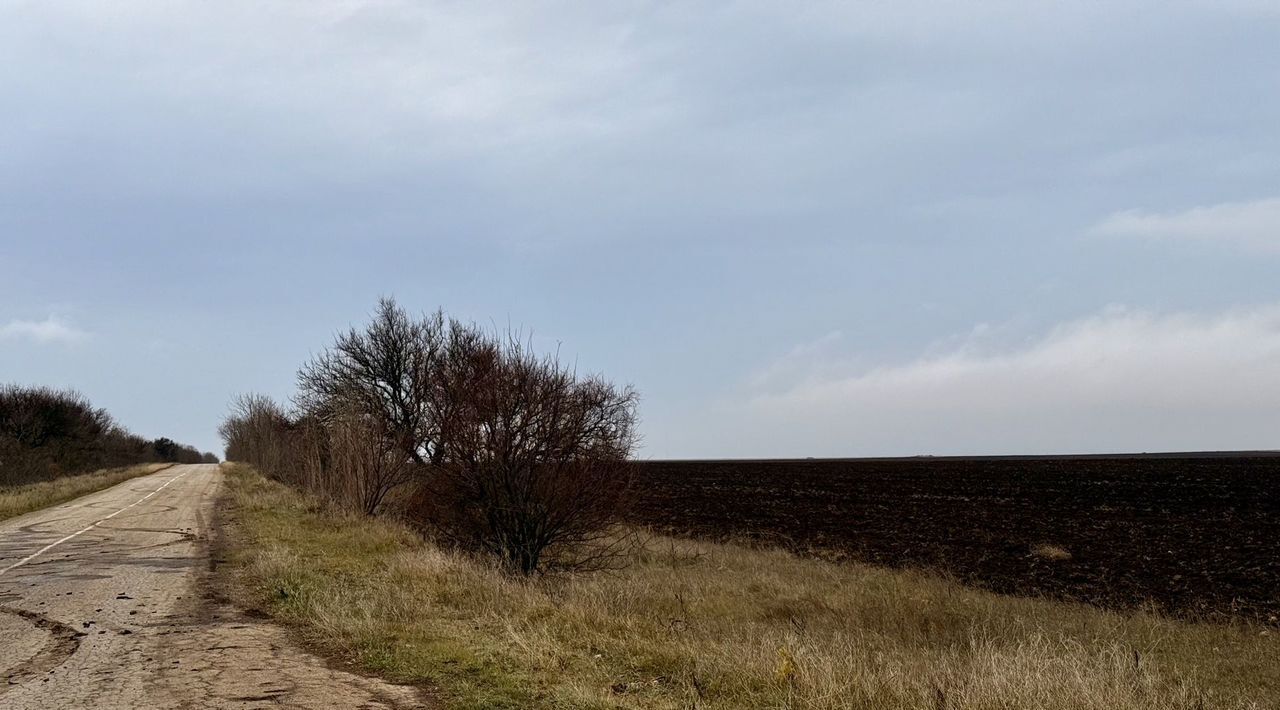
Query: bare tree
[(383, 370)]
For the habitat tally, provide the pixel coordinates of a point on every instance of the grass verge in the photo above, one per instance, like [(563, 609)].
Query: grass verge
[(17, 500), (698, 625)]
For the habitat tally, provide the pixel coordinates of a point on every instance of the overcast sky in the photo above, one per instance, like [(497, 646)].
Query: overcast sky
[(799, 229)]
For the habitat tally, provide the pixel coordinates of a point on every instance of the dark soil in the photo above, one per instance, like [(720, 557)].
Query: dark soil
[(1191, 535)]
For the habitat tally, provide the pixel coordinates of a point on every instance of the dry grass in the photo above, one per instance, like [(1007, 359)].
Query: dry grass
[(1056, 553), (17, 500), (697, 625)]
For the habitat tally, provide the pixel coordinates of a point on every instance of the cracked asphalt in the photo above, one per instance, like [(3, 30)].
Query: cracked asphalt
[(104, 604)]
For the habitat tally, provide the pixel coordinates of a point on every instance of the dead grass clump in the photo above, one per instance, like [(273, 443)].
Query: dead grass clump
[(694, 624), (1051, 552)]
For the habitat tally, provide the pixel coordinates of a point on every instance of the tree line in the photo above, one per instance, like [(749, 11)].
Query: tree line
[(465, 432), (46, 433)]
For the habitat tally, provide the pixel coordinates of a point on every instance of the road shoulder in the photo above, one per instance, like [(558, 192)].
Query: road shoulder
[(285, 667)]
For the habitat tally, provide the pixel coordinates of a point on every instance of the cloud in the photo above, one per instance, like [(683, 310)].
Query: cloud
[(1252, 225), (566, 114), (1120, 380), (48, 331), (806, 359)]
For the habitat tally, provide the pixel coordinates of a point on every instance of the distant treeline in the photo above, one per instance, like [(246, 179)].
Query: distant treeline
[(47, 433)]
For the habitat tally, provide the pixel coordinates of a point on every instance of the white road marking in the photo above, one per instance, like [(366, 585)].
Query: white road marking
[(95, 524)]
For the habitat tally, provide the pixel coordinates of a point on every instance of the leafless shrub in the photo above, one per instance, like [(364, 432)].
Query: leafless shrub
[(258, 430), (367, 463), (309, 447), (536, 461)]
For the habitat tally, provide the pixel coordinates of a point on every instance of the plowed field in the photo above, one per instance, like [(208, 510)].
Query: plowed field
[(1192, 535)]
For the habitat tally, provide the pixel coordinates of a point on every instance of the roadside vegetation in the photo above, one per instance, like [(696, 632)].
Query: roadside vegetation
[(46, 434), (18, 500), (469, 435), (686, 624)]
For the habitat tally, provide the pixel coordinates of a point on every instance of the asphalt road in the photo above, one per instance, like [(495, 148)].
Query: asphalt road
[(104, 604)]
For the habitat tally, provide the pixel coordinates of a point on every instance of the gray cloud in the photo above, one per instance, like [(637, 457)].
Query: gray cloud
[(1120, 380), (1251, 225)]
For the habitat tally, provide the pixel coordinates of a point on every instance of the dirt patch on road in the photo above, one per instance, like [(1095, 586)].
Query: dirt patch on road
[(61, 643)]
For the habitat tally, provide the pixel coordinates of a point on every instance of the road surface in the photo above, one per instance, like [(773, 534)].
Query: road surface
[(104, 604)]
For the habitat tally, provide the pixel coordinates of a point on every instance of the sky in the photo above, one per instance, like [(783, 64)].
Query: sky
[(797, 228)]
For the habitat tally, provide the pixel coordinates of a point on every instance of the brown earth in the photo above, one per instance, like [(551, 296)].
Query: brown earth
[(1193, 535)]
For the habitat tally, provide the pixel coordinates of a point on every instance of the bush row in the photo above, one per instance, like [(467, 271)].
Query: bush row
[(46, 433), (468, 433)]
